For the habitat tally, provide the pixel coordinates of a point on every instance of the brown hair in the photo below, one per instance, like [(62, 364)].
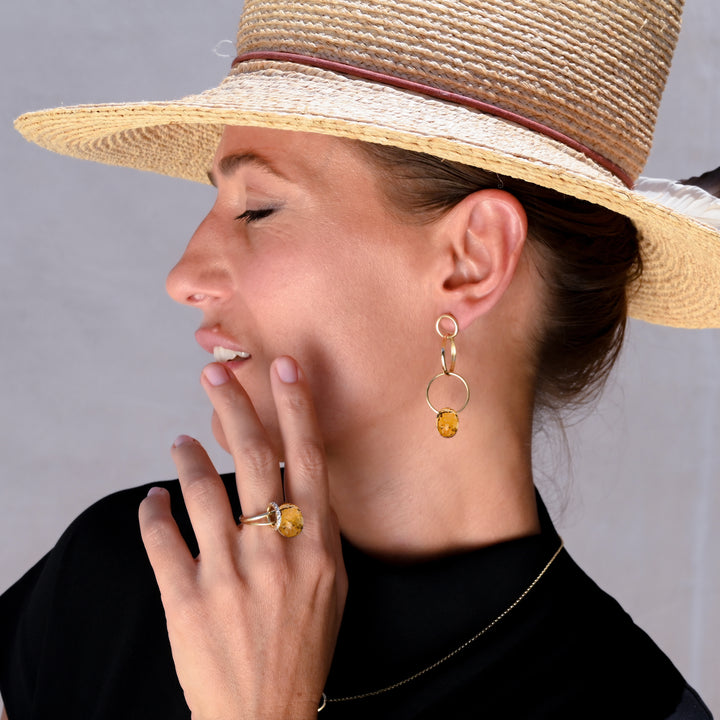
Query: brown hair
[(587, 256)]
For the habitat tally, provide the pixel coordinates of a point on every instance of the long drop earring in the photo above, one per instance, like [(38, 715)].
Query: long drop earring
[(447, 418)]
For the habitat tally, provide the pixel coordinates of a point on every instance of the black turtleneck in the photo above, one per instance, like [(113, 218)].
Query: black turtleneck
[(83, 635)]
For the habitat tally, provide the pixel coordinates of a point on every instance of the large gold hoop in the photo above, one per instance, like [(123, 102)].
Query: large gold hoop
[(449, 374)]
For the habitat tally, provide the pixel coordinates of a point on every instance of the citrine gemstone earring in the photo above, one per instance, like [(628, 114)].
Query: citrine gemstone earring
[(447, 418)]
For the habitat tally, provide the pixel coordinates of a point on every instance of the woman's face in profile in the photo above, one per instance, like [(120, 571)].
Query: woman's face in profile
[(301, 256)]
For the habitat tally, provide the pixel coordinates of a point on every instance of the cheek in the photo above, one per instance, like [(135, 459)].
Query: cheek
[(350, 317)]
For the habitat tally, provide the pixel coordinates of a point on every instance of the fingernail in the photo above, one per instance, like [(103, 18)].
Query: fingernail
[(286, 369), (156, 491), (181, 440), (216, 374)]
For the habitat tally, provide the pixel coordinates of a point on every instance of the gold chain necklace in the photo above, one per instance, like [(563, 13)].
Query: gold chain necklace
[(325, 699)]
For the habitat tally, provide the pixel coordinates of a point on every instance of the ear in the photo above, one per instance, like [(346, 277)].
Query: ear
[(483, 237)]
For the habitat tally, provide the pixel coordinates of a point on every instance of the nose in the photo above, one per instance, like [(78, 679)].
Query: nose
[(202, 276)]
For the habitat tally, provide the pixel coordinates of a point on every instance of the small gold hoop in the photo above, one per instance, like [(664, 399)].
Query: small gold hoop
[(453, 355), (452, 319), (448, 374)]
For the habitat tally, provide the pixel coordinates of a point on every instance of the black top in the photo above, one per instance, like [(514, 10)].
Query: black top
[(83, 635)]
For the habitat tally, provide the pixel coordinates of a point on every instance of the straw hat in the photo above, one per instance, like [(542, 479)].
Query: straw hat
[(562, 93)]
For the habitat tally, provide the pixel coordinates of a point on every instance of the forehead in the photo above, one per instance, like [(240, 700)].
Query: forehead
[(289, 155)]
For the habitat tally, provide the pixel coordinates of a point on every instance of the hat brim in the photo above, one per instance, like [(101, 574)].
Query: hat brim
[(680, 285)]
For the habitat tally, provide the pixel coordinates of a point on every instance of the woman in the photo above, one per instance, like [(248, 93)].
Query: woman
[(319, 271)]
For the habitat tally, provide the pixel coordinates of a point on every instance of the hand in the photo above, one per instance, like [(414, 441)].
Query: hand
[(254, 618)]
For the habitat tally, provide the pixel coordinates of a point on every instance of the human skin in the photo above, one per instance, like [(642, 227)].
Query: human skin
[(322, 271), (252, 620)]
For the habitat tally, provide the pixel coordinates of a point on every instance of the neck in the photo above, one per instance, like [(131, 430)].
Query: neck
[(409, 494)]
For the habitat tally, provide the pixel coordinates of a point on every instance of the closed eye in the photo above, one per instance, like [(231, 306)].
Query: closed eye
[(252, 215)]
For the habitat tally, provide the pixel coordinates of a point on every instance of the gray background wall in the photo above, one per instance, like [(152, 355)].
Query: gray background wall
[(101, 371)]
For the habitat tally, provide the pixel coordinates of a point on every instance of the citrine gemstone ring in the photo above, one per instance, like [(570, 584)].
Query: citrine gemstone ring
[(287, 519)]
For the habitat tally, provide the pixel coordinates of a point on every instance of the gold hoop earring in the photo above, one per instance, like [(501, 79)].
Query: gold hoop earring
[(447, 418)]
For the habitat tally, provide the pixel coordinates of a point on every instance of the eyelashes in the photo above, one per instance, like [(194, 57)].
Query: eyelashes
[(254, 215)]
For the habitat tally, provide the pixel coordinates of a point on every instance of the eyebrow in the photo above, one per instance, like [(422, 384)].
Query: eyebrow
[(229, 164)]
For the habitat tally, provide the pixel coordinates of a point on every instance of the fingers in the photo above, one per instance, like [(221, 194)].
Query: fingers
[(210, 513), (205, 497), (305, 468), (256, 463), (218, 606), (257, 466), (168, 554)]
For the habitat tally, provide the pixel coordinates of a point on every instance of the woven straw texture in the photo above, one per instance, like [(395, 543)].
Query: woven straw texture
[(593, 70)]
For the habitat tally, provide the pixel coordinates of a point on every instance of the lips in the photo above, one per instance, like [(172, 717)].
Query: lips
[(221, 347)]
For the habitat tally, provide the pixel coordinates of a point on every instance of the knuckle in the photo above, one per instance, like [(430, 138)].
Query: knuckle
[(320, 563), (310, 455), (198, 490), (275, 557), (329, 576), (272, 584), (157, 531), (257, 458), (325, 565), (227, 588)]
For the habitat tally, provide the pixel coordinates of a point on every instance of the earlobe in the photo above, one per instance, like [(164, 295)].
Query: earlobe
[(486, 233)]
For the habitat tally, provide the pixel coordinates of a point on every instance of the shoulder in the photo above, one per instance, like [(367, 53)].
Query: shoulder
[(691, 707), (102, 539), (101, 551), (602, 653), (96, 560), (107, 534), (94, 591), (567, 649)]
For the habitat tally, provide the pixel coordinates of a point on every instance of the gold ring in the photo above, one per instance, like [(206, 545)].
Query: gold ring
[(287, 519)]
